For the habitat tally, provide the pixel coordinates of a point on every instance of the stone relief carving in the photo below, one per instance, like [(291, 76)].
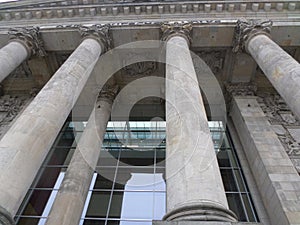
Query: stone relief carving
[(30, 37), (61, 58), (214, 59), (10, 106), (246, 29), (296, 163), (144, 68), (283, 121), (22, 71), (140, 68), (241, 89)]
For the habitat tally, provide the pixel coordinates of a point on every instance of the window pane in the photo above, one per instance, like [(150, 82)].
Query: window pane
[(108, 157), (136, 158), (228, 180), (247, 203), (49, 177), (93, 222), (37, 203), (159, 205), (32, 221), (235, 204), (135, 178), (105, 177), (61, 156), (239, 179), (132, 205), (223, 159), (98, 204)]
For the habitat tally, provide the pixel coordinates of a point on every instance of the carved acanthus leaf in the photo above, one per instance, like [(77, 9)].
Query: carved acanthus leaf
[(99, 33), (246, 29), (30, 37), (176, 28)]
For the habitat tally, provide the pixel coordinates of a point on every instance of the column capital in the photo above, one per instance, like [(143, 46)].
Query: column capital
[(30, 38), (171, 29), (245, 30), (98, 32), (108, 93), (241, 89)]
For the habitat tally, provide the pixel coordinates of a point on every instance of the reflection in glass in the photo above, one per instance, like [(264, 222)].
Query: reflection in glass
[(143, 205), (235, 204)]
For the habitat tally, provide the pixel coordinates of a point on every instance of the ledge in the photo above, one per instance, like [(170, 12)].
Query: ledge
[(88, 9)]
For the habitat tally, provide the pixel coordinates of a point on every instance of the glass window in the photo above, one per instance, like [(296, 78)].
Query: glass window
[(128, 186)]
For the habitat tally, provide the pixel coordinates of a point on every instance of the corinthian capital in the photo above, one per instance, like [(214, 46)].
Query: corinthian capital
[(247, 29), (176, 29), (99, 33), (30, 38)]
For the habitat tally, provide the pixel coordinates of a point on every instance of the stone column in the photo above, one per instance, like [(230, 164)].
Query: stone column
[(194, 186), (24, 42), (70, 199), (282, 70), (26, 144)]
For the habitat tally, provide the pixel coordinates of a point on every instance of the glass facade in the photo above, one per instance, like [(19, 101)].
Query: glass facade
[(128, 186)]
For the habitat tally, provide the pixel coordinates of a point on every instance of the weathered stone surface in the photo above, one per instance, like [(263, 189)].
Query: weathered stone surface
[(37, 127), (194, 184), (69, 202), (280, 68), (11, 56), (275, 175)]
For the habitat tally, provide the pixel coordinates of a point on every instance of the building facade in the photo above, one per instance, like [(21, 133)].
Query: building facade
[(150, 112)]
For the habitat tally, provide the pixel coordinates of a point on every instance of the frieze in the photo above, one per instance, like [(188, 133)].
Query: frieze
[(22, 71), (284, 123), (214, 59), (276, 109), (141, 68), (10, 106), (241, 89)]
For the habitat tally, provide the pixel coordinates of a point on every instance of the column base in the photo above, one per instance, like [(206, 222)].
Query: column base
[(201, 212), (5, 217)]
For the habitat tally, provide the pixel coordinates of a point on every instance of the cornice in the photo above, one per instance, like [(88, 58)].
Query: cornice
[(82, 9)]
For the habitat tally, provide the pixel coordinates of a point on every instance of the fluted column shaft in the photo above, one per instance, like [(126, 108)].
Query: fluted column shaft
[(70, 199), (26, 144), (194, 185), (280, 68)]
